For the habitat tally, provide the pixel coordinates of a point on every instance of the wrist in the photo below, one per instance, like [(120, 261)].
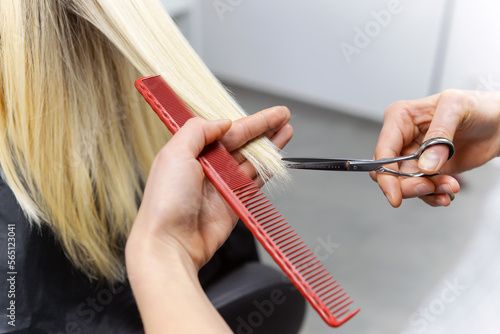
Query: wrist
[(147, 253), (165, 284)]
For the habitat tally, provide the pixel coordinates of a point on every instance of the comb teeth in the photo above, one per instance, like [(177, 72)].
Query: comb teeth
[(260, 216), (295, 258)]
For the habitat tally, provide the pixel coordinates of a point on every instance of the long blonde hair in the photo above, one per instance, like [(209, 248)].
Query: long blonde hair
[(76, 139)]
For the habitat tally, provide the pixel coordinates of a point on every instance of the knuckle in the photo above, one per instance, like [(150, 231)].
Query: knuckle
[(440, 132), (451, 93), (245, 132), (194, 122), (456, 106), (455, 97), (396, 107)]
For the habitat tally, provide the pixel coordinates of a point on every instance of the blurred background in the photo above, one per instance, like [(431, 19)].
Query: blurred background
[(337, 65)]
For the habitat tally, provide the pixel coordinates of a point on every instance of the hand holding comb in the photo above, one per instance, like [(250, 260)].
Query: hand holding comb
[(265, 222)]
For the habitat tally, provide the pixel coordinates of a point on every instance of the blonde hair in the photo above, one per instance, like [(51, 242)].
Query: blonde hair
[(76, 139)]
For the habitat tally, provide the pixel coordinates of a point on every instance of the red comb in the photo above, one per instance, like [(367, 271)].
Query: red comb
[(265, 222)]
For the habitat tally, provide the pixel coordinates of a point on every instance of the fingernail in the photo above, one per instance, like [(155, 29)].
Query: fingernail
[(444, 189), (428, 161), (422, 189)]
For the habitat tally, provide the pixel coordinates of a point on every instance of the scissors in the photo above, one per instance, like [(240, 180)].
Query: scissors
[(362, 165)]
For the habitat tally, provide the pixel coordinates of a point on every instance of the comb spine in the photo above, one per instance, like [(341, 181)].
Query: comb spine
[(164, 116)]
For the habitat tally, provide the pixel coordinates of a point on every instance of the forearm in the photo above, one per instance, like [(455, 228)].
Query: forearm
[(169, 295)]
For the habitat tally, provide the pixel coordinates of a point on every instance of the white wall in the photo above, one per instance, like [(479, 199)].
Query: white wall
[(293, 48), (473, 56)]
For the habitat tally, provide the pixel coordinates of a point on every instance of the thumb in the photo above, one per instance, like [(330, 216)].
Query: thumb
[(450, 110), (198, 133), (433, 159)]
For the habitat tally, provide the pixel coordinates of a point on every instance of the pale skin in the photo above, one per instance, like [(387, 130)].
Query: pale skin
[(471, 120), (183, 220)]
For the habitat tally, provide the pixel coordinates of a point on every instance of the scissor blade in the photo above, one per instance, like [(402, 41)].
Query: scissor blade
[(317, 164), (313, 160)]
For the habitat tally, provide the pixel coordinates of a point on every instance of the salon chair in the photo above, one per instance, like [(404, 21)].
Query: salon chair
[(256, 299)]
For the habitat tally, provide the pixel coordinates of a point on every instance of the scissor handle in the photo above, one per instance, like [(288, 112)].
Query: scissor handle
[(436, 141), (425, 145), (383, 169)]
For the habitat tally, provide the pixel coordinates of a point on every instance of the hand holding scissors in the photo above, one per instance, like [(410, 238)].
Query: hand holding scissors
[(470, 119)]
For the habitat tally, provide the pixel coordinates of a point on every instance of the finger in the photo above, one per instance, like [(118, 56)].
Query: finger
[(396, 132), (437, 200), (197, 133), (259, 181), (417, 187), (399, 128), (249, 169), (240, 158), (279, 139), (433, 159), (266, 122), (423, 186), (283, 136), (451, 110), (440, 193), (446, 184), (391, 187)]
